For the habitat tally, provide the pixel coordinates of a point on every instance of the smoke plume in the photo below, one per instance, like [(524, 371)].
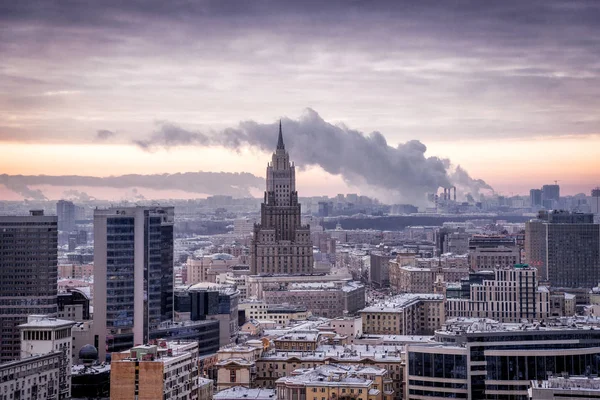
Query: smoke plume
[(226, 183), (104, 134), (22, 189), (363, 160)]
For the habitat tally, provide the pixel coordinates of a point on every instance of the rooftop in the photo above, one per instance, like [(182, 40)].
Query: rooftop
[(333, 375), (240, 392), (43, 321), (569, 383), (351, 352), (396, 303)]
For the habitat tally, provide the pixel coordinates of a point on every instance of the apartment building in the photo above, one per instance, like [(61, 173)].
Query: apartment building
[(406, 314), (511, 295), (166, 370)]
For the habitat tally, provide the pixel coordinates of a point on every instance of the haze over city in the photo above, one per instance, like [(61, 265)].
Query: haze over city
[(378, 98)]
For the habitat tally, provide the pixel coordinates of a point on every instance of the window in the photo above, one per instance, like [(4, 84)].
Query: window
[(232, 375)]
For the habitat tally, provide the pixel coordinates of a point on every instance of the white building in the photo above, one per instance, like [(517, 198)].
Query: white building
[(46, 335), (32, 378)]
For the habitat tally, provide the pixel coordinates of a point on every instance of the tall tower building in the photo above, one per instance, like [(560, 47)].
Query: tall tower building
[(281, 244), (565, 247), (28, 273), (133, 274), (66, 210)]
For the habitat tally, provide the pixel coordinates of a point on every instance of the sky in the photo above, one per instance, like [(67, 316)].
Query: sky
[(509, 91)]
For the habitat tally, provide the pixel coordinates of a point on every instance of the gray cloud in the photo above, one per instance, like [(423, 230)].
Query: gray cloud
[(364, 160), (475, 69), (234, 184), (104, 134)]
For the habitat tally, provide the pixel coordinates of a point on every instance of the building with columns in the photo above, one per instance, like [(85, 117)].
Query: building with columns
[(281, 244)]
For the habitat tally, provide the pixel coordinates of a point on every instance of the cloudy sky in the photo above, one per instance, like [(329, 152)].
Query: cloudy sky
[(510, 91)]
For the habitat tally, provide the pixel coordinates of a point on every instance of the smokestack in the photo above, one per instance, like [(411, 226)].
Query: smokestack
[(445, 193), (454, 187)]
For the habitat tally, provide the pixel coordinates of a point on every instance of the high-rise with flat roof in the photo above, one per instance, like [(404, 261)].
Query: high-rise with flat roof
[(133, 274), (565, 247), (66, 210), (28, 273), (281, 244)]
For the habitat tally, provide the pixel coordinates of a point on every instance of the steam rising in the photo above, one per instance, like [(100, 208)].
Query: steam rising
[(363, 160)]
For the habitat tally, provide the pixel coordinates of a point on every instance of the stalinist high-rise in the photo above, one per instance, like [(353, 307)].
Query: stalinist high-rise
[(281, 245)]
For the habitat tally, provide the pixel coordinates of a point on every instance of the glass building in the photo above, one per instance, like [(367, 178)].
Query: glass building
[(487, 360), (133, 274)]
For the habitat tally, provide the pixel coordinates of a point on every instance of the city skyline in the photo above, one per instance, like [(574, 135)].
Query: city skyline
[(498, 90)]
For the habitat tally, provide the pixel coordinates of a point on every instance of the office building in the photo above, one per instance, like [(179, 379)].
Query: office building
[(47, 335), (28, 273), (511, 295), (565, 247), (550, 196), (65, 211), (210, 301), (281, 245), (133, 274), (535, 198), (490, 252), (166, 370), (406, 314), (488, 360), (334, 381)]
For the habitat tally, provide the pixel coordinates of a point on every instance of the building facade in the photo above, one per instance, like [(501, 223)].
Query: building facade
[(28, 273), (65, 211), (327, 299), (334, 381), (166, 371), (407, 314), (46, 335), (488, 360), (281, 244), (565, 247), (512, 295), (31, 378), (133, 274), (490, 252)]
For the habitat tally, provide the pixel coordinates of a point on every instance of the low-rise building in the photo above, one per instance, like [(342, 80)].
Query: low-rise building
[(334, 381), (244, 393), (299, 341), (565, 387), (167, 370), (412, 274), (406, 314), (274, 364), (34, 377), (323, 299), (236, 366)]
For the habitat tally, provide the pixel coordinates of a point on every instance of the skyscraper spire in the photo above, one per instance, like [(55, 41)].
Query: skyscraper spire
[(280, 144)]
